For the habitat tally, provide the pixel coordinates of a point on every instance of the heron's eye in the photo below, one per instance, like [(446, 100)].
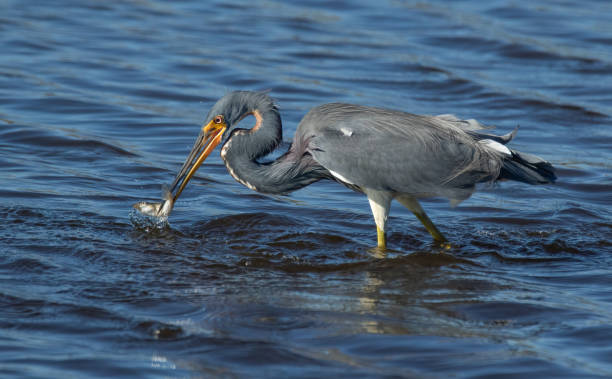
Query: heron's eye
[(219, 119)]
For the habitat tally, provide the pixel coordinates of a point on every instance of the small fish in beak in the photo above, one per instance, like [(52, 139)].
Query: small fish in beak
[(159, 210), (209, 138)]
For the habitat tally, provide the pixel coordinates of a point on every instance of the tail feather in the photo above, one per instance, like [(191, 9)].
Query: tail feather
[(527, 168)]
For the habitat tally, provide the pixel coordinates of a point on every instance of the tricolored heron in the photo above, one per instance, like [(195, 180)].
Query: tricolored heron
[(385, 154)]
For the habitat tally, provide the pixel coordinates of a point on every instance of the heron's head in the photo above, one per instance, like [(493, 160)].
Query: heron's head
[(236, 105), (221, 120)]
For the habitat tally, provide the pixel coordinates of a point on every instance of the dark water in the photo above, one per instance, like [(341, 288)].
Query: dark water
[(100, 102)]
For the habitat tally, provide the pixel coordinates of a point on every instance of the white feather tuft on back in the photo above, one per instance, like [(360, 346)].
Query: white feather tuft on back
[(496, 146)]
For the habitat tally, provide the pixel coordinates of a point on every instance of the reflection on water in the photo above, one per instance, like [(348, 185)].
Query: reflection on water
[(104, 100)]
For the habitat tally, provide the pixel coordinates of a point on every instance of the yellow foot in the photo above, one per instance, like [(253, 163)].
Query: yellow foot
[(377, 252), (445, 245)]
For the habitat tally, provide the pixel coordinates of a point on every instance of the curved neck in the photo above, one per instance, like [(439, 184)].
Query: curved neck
[(292, 171)]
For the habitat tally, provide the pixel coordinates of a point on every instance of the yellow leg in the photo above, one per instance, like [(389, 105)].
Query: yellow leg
[(414, 206), (382, 241), (380, 202), (431, 228)]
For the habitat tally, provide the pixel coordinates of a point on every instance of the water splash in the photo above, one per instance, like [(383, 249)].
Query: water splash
[(153, 216), (147, 222)]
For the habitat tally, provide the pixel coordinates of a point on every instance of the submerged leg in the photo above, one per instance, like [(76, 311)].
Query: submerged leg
[(380, 202), (414, 206)]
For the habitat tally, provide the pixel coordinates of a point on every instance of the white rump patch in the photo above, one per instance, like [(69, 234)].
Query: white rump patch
[(496, 146), (340, 177), (346, 132)]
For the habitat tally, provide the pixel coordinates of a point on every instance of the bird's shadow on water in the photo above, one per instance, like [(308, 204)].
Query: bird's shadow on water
[(422, 278)]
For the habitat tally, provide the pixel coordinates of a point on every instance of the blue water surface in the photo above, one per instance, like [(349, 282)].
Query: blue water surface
[(101, 101)]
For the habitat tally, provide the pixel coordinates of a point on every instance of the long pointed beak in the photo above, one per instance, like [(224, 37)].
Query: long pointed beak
[(209, 138)]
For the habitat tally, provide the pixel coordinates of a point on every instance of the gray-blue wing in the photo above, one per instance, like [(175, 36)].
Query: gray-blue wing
[(396, 151)]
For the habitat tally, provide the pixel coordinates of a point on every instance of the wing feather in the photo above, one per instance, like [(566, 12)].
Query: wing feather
[(398, 151)]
